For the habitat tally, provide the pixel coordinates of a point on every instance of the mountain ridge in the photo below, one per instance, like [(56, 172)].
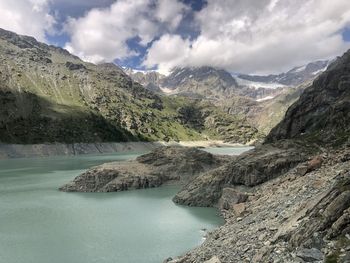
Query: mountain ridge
[(53, 96)]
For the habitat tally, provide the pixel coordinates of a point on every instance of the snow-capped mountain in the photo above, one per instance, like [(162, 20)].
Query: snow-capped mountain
[(150, 79), (214, 83), (293, 77)]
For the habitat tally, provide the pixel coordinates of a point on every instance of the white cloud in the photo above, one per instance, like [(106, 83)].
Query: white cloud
[(261, 35), (27, 17), (170, 12), (102, 34), (165, 53)]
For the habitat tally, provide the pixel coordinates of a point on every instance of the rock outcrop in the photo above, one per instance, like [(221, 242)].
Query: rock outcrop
[(322, 114), (254, 167), (292, 218), (171, 163)]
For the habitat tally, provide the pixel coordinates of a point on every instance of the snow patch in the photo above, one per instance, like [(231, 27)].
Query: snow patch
[(143, 71), (298, 69), (256, 85), (319, 71), (167, 90), (265, 98)]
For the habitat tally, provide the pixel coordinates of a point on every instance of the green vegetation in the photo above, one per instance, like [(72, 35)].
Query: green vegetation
[(48, 95)]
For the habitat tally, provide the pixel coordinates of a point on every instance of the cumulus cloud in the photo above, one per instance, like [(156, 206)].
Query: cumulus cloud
[(165, 53), (170, 12), (102, 34), (260, 36), (28, 17)]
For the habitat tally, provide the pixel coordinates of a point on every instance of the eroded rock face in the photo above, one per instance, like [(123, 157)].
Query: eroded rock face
[(231, 196), (251, 168), (291, 218), (330, 217), (150, 170), (322, 113)]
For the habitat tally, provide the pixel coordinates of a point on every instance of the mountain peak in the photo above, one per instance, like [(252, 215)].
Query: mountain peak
[(294, 77)]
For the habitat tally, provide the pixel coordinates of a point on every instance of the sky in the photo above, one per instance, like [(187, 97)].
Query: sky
[(245, 36)]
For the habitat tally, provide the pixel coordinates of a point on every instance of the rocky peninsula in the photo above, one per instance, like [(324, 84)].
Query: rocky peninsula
[(164, 164)]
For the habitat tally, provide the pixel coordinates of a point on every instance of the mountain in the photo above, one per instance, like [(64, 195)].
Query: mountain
[(263, 104), (263, 114), (322, 113), (293, 77), (49, 95), (215, 84), (204, 82), (151, 80)]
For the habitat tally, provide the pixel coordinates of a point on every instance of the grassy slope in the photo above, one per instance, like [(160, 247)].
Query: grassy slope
[(52, 96)]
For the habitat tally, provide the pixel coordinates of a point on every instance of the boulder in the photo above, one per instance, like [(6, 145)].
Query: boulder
[(310, 255), (239, 209), (214, 259), (314, 163), (231, 196)]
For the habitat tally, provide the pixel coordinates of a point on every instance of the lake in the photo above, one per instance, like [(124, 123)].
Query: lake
[(39, 224)]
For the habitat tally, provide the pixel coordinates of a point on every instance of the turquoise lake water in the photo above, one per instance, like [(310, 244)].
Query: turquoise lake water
[(39, 224)]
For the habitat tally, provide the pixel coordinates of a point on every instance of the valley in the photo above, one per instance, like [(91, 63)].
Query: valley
[(175, 131)]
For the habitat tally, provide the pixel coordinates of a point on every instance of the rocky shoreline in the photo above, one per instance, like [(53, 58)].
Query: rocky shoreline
[(8, 151), (300, 216)]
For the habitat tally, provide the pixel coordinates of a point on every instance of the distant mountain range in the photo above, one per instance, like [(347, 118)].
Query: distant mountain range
[(263, 100), (293, 77), (213, 83)]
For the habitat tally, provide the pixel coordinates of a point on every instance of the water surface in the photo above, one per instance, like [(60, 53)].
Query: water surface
[(39, 224)]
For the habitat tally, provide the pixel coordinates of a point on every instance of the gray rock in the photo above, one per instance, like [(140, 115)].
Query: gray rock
[(310, 255), (214, 259), (251, 168), (231, 196)]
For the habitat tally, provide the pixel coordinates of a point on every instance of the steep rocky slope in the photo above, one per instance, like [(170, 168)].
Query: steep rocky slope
[(264, 114), (50, 95), (322, 113), (151, 80), (300, 216), (205, 82)]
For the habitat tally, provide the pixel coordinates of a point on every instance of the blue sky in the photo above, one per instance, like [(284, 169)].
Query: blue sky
[(65, 9), (346, 34), (248, 36)]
